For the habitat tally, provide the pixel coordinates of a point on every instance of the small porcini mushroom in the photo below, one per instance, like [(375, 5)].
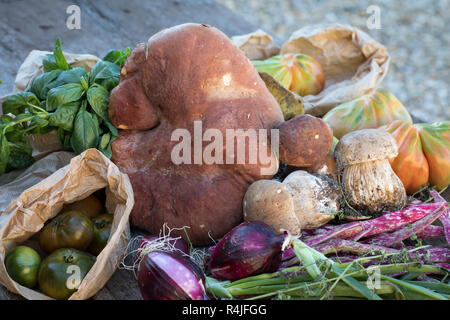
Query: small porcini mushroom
[(304, 141), (270, 201), (316, 198), (368, 180)]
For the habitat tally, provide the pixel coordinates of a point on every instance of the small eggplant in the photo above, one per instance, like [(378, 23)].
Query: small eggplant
[(170, 276), (248, 249)]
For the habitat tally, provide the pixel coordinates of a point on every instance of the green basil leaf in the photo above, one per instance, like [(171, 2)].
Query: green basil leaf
[(64, 116), (41, 84), (104, 141), (64, 94), (106, 74), (19, 160), (98, 122), (85, 131), (23, 118), (42, 130), (19, 102), (40, 122), (56, 60), (98, 98), (74, 75), (59, 56), (4, 118), (105, 144), (17, 136), (117, 56), (49, 63), (4, 153), (64, 138), (20, 151)]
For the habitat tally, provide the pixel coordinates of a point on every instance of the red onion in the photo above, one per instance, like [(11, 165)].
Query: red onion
[(170, 276), (161, 243), (248, 249)]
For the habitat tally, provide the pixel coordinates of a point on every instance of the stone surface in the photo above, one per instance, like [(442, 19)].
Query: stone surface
[(25, 26)]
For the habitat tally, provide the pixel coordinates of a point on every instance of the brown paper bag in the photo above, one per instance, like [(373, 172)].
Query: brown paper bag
[(26, 215), (354, 64)]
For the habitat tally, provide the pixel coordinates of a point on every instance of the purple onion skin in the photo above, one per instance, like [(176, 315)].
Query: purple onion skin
[(170, 276), (248, 249), (179, 243)]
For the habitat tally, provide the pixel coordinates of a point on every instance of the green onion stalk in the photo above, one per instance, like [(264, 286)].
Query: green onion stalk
[(319, 277)]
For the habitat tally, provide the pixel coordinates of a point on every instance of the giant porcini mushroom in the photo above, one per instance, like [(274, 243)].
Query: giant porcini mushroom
[(186, 75), (368, 180)]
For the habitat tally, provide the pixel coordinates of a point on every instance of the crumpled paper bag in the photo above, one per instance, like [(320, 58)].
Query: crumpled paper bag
[(25, 216), (257, 45), (354, 64), (31, 67)]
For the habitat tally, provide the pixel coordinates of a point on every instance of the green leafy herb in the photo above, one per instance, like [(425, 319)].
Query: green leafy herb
[(21, 101), (64, 116), (70, 100), (4, 153), (64, 94), (106, 74), (117, 56), (41, 84), (85, 133), (56, 60)]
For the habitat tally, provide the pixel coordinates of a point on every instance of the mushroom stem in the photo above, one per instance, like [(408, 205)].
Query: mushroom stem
[(373, 186)]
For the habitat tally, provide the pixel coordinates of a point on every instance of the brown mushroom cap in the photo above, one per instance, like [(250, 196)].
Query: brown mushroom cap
[(364, 146), (191, 72), (271, 202), (304, 141)]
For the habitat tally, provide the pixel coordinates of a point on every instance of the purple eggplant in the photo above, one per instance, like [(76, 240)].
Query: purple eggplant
[(248, 249), (170, 276)]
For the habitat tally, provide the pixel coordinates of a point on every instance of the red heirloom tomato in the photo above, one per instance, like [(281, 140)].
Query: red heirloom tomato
[(423, 154), (367, 112), (299, 73)]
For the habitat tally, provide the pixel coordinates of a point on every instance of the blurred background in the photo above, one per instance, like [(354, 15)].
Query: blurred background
[(414, 32)]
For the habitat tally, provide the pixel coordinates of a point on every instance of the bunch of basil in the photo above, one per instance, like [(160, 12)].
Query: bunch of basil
[(67, 99)]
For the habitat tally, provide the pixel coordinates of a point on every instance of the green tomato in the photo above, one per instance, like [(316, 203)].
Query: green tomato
[(102, 229), (22, 264), (61, 273), (70, 229)]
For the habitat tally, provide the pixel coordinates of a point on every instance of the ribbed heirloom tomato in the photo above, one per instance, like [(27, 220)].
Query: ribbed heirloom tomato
[(61, 272), (91, 207), (299, 73), (423, 154), (102, 229), (367, 112), (68, 230)]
